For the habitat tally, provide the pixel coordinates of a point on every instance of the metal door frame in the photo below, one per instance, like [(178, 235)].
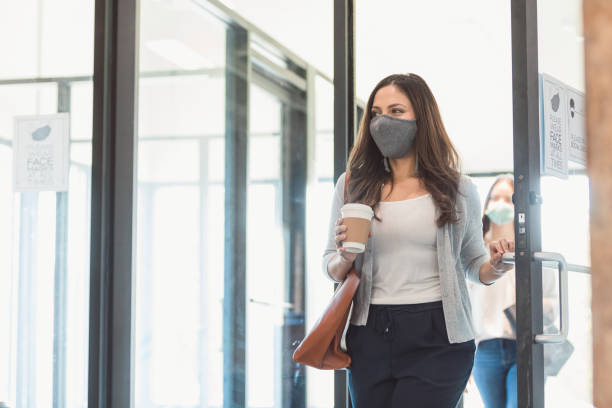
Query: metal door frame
[(344, 123), (528, 229)]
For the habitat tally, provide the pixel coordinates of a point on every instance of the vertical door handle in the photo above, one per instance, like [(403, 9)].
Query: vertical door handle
[(561, 336)]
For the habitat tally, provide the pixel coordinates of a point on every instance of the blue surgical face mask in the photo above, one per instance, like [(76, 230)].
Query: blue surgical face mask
[(393, 136), (500, 212)]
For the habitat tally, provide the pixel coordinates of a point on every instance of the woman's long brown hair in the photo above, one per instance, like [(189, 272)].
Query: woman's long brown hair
[(437, 159)]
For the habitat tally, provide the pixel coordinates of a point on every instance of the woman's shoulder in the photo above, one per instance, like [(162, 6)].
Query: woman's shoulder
[(468, 199), (341, 180), (339, 188)]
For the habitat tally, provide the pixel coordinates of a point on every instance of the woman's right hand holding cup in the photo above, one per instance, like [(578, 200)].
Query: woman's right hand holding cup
[(341, 229), (340, 237)]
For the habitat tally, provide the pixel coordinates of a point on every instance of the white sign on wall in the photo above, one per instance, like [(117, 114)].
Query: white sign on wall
[(563, 139), (554, 144), (41, 157), (576, 126)]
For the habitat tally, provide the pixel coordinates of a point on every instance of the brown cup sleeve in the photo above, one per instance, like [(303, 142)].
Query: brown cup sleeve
[(358, 230)]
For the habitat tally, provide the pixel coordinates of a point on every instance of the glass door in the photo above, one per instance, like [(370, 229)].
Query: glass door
[(265, 250), (181, 207), (275, 241), (552, 206), (565, 206)]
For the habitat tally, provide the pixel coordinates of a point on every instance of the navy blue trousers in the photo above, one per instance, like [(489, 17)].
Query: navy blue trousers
[(402, 358)]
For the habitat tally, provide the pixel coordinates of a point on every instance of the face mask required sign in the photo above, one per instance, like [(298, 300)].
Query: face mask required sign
[(562, 110), (41, 157)]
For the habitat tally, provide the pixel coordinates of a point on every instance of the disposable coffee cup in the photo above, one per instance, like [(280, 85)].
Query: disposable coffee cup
[(357, 218)]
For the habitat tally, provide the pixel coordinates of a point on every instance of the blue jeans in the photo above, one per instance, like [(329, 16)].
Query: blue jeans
[(495, 373)]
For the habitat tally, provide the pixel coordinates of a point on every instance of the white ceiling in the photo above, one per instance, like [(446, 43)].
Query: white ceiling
[(462, 49)]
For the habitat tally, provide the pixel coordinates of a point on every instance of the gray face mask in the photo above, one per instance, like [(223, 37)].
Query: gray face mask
[(393, 136)]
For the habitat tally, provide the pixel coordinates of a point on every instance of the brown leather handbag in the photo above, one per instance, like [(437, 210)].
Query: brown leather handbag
[(321, 346)]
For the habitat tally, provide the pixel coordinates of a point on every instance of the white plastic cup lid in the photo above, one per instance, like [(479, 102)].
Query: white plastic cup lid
[(357, 210)]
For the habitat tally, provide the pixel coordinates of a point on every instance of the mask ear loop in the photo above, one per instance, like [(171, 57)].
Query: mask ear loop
[(416, 164), (386, 162)]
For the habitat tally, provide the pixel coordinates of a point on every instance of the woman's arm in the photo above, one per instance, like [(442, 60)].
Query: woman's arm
[(481, 266), (494, 269), (474, 255), (489, 274), (333, 266), (338, 267)]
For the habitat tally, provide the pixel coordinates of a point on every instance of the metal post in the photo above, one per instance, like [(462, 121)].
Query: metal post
[(344, 121), (113, 203), (61, 280), (236, 142), (530, 377), (344, 83), (294, 161)]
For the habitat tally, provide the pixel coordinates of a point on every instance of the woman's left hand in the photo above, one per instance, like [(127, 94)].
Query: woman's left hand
[(497, 250)]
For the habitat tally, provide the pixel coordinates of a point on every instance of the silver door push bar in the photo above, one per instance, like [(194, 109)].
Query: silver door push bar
[(561, 336)]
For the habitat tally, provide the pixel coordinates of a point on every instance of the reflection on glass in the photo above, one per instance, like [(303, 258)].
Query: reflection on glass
[(46, 39), (265, 251), (565, 210), (181, 207), (568, 200), (181, 220), (44, 236), (44, 279), (320, 384)]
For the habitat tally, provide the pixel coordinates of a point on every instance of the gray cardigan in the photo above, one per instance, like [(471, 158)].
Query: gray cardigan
[(461, 253)]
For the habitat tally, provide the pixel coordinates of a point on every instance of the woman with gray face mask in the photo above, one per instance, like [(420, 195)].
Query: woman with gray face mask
[(410, 337)]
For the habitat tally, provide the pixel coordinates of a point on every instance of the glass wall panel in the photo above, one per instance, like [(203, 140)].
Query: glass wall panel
[(45, 234), (181, 206), (181, 217), (46, 39), (265, 251), (319, 288)]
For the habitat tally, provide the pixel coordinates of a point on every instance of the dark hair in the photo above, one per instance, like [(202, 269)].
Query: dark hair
[(486, 222), (437, 159)]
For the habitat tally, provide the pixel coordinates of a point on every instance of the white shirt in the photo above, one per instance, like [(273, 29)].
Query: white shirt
[(488, 305), (405, 261)]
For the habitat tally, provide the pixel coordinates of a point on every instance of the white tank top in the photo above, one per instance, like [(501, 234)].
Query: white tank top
[(405, 252)]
